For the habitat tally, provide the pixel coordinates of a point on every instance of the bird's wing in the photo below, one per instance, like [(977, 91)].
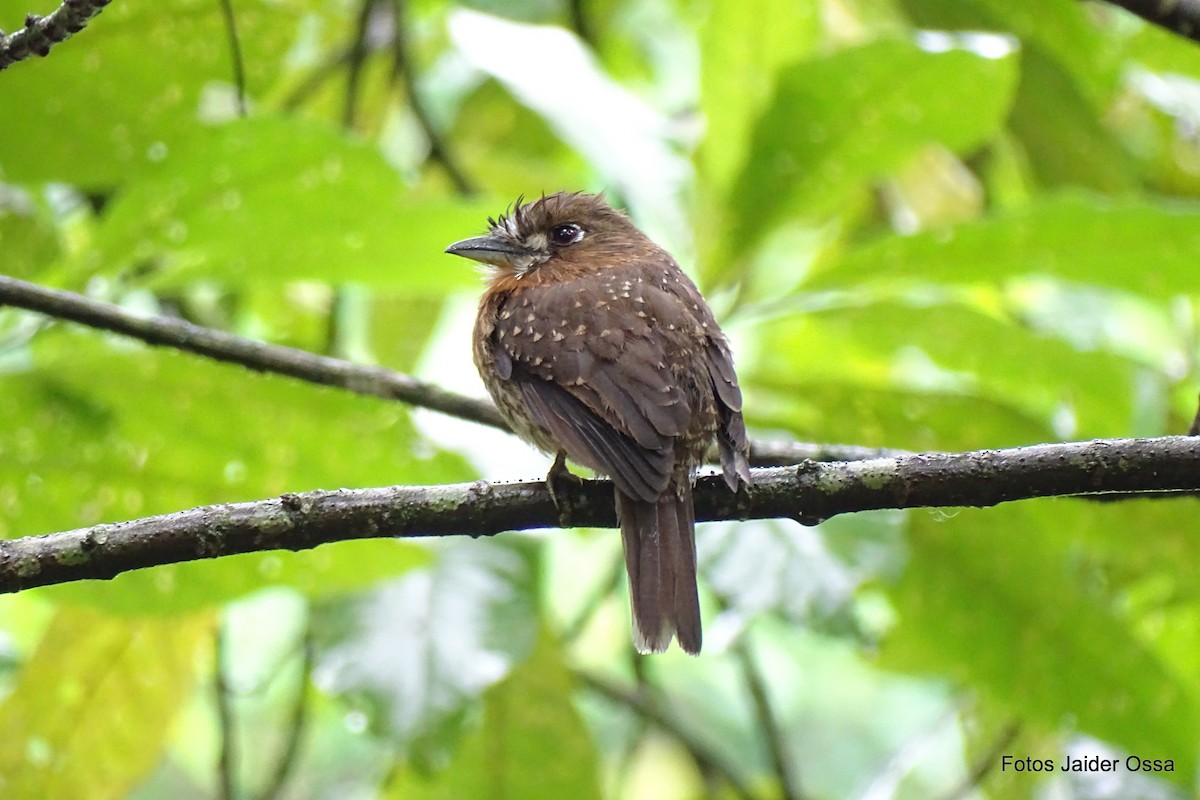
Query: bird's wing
[(732, 442), (594, 376)]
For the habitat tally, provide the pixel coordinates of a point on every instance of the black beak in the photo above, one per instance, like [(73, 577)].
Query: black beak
[(488, 249)]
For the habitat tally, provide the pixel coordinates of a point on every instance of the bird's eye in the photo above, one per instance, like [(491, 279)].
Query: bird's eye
[(563, 235)]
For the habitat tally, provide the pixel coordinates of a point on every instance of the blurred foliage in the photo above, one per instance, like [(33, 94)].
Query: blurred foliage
[(930, 224)]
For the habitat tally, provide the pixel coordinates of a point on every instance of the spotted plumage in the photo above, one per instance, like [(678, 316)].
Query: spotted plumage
[(593, 343)]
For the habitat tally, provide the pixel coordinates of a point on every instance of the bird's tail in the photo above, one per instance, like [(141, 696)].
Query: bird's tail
[(660, 557)]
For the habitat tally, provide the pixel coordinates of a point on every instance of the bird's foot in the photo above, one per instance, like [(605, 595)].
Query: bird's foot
[(559, 482)]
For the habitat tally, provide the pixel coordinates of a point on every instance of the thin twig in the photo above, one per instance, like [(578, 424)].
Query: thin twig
[(261, 356), (809, 493), (985, 763), (710, 760), (1178, 16), (41, 33), (227, 725), (361, 379), (326, 371), (316, 78), (580, 23), (600, 593), (789, 781), (404, 73), (296, 724), (235, 52), (359, 48)]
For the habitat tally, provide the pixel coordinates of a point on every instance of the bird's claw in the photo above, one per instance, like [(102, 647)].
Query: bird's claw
[(561, 478)]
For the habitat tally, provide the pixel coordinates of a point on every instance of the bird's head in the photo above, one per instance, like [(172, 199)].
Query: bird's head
[(559, 236)]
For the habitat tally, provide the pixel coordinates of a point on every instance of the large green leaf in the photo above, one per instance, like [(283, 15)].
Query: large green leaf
[(28, 238), (94, 703), (1065, 141), (531, 744), (104, 433), (937, 377), (740, 57), (1058, 29), (994, 599), (139, 79), (1137, 245), (275, 199), (171, 589), (950, 347), (838, 121), (421, 649)]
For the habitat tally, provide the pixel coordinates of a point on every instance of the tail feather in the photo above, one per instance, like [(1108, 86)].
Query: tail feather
[(660, 557)]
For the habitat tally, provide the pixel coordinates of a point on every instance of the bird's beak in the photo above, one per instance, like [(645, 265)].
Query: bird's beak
[(489, 250)]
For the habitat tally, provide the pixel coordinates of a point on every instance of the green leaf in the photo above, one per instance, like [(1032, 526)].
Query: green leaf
[(28, 238), (274, 199), (839, 121), (528, 719), (331, 569), (1163, 51), (1136, 245), (421, 649), (1056, 29), (104, 432), (994, 599), (820, 377), (1065, 141), (994, 358), (140, 79), (739, 58), (94, 703)]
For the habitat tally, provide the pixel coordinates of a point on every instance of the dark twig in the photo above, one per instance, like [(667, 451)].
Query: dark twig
[(326, 371), (317, 77), (227, 726), (404, 73), (809, 493), (235, 53), (359, 48), (789, 782), (710, 762), (600, 593), (182, 335), (1178, 16), (361, 379), (580, 23), (985, 764), (42, 33), (296, 724)]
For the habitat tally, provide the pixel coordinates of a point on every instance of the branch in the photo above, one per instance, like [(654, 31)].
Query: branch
[(297, 723), (260, 356), (326, 371), (985, 763), (404, 72), (1178, 16), (227, 724), (42, 33), (235, 54), (809, 493), (637, 701), (756, 685)]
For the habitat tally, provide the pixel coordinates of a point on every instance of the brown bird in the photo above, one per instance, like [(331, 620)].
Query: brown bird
[(594, 344)]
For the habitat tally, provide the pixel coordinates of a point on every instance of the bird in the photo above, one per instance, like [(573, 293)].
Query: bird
[(596, 347)]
